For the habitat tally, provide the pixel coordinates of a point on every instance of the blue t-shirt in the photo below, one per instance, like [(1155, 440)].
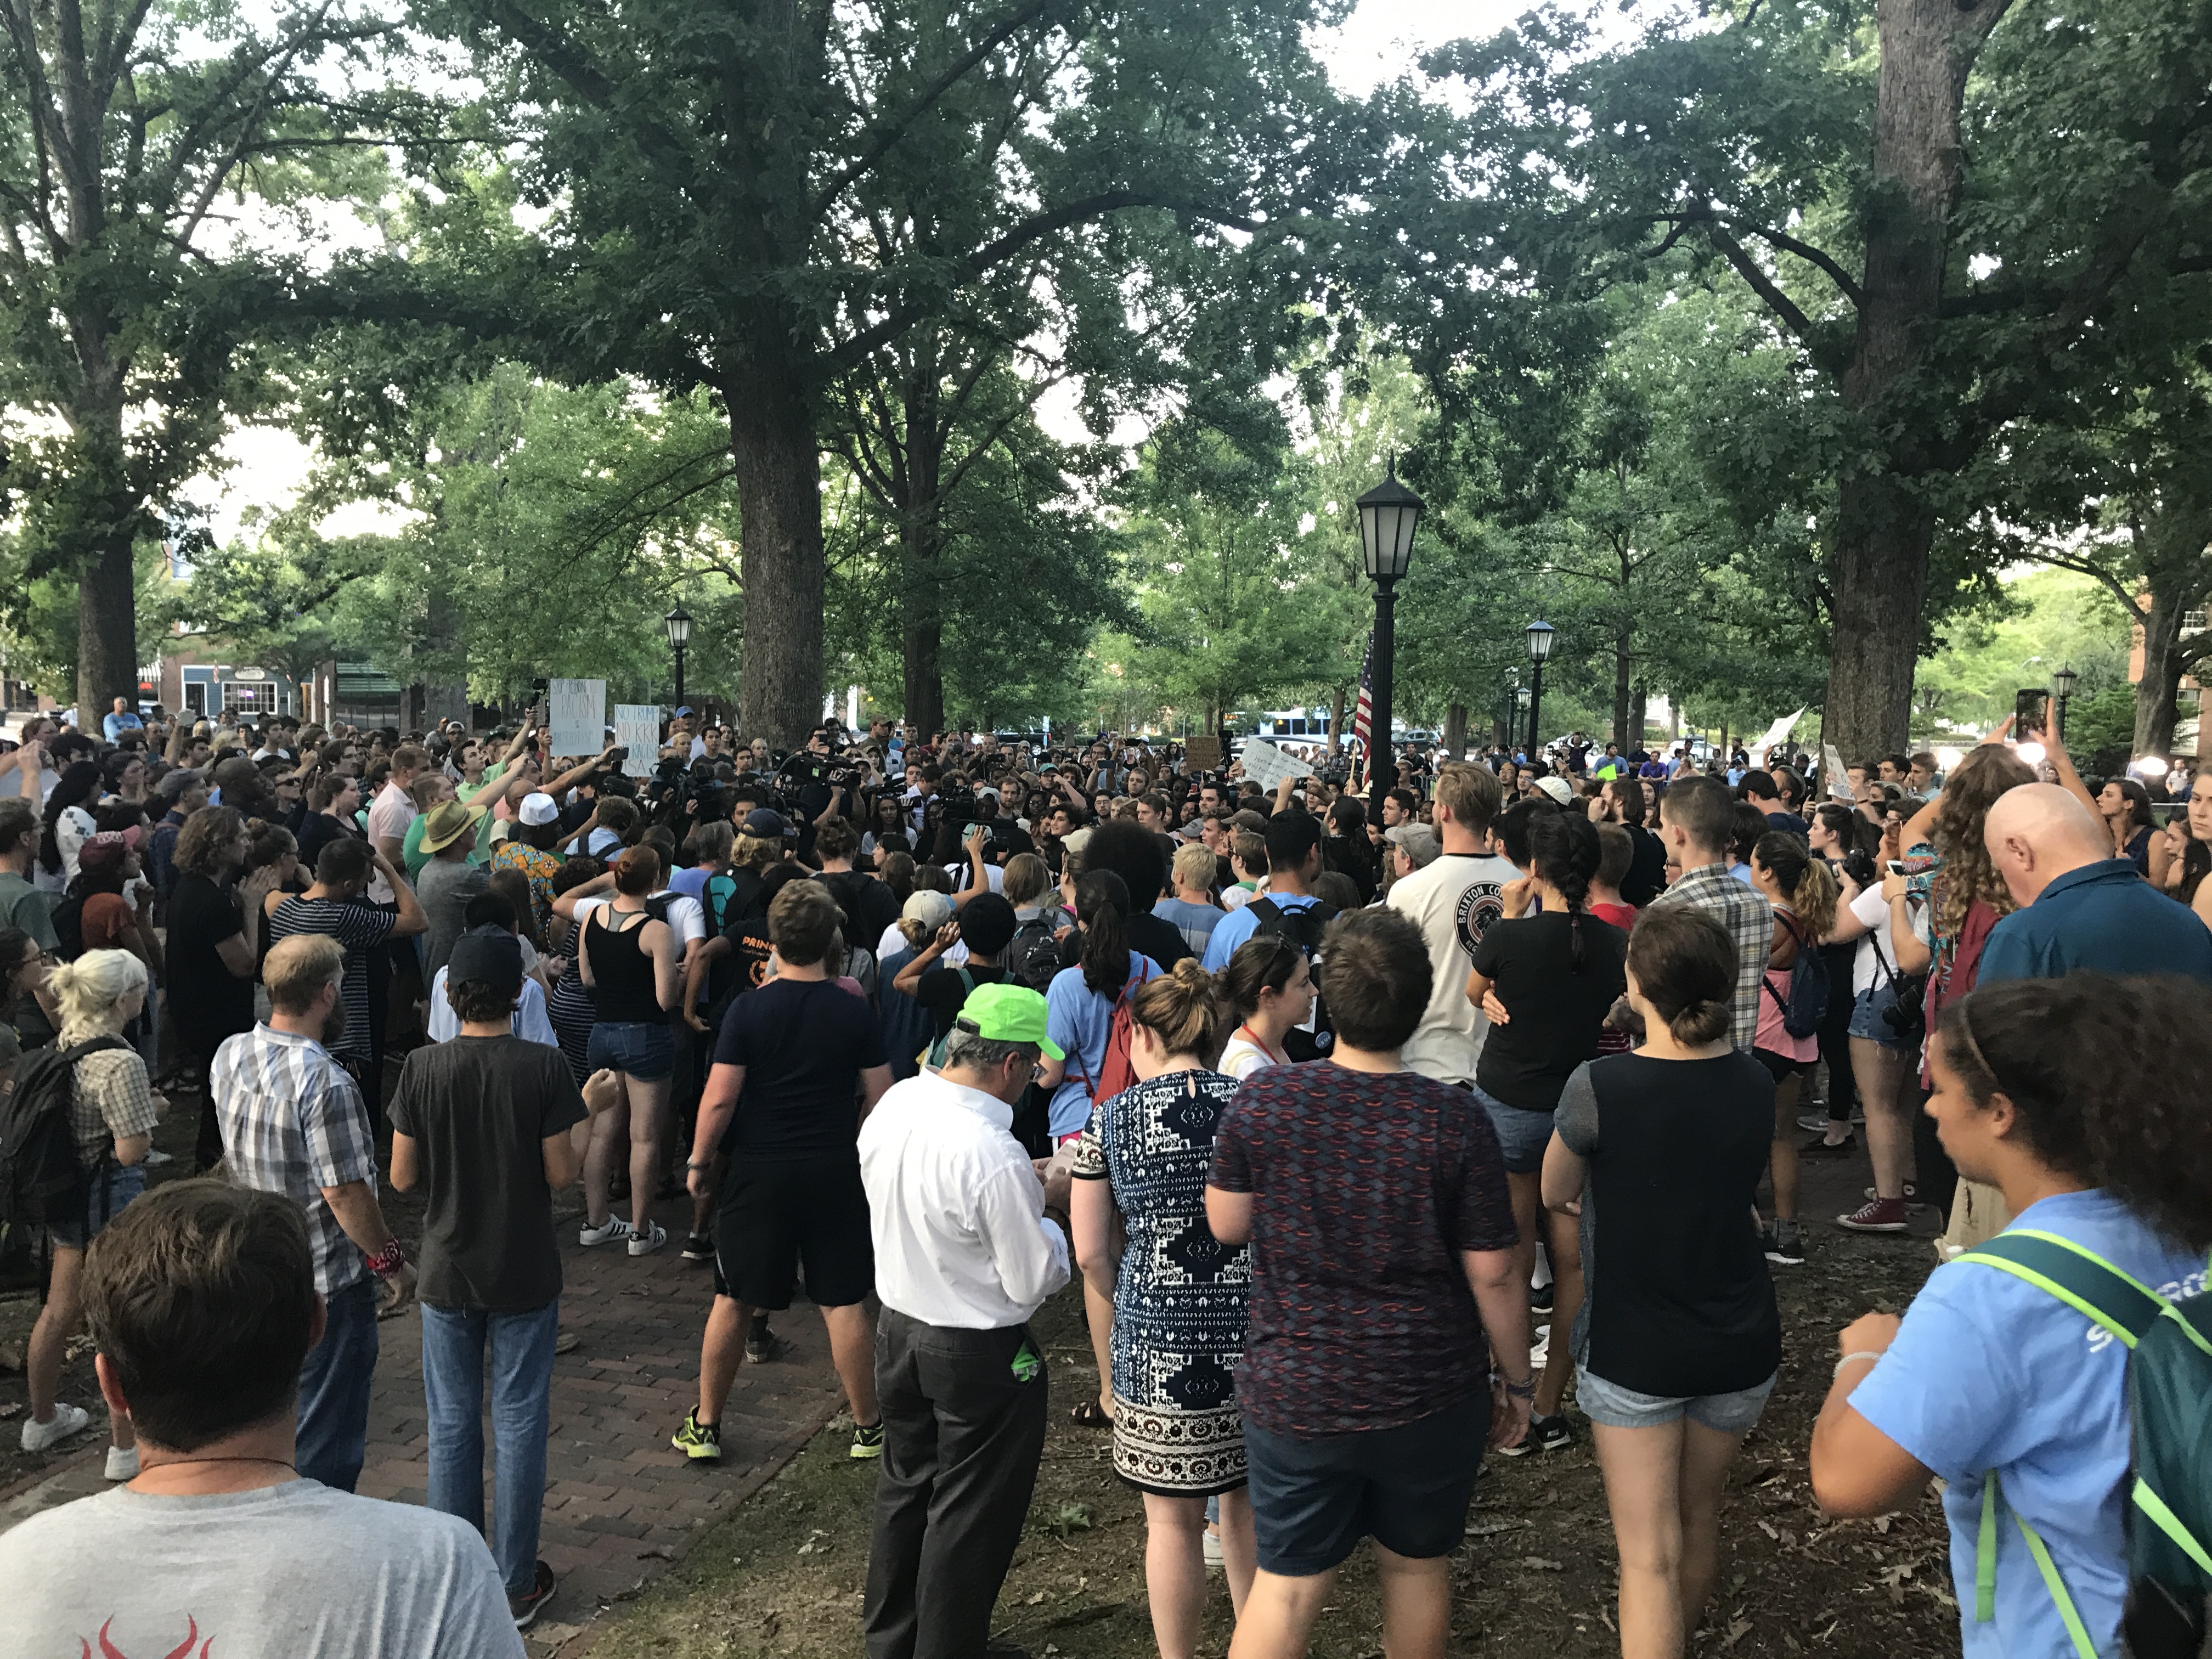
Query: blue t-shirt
[(1240, 924), (2103, 917), (1989, 1372), (692, 884), (1195, 922), (1080, 1020), (114, 726)]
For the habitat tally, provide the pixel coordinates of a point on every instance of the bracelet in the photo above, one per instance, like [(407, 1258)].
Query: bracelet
[(388, 1261), (693, 1164), (1522, 1390), (1864, 1353)]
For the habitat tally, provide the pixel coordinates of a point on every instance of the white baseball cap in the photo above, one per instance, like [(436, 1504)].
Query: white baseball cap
[(538, 809), (1558, 788)]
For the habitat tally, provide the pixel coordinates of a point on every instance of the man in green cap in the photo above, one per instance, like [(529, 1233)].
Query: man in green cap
[(965, 1253)]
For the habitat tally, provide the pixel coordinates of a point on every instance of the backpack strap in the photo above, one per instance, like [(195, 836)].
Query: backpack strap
[(2081, 1279), (1985, 1572), (966, 984), (1266, 909)]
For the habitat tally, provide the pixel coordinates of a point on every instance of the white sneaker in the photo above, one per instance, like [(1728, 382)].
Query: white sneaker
[(67, 1421), (122, 1463), (647, 1242), (613, 1231), (1211, 1549)]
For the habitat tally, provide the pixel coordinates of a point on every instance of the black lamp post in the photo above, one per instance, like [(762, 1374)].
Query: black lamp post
[(1521, 700), (679, 635), (1539, 650), (1389, 515), (2064, 682)]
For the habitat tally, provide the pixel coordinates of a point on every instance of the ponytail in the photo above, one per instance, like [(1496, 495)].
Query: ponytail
[(1102, 900), (1810, 883), (1565, 850)]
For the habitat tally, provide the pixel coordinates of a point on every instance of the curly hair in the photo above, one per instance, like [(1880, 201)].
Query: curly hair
[(1971, 789)]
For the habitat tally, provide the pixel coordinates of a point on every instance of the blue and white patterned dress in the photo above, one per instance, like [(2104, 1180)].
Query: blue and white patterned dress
[(1180, 1299)]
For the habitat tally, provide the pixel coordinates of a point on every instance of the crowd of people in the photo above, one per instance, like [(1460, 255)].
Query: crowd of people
[(1377, 1143)]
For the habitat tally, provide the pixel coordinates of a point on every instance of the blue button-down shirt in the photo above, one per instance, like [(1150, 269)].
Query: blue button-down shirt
[(2102, 918)]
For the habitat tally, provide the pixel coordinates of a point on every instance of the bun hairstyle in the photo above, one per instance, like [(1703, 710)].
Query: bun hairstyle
[(637, 870), (1684, 963), (1181, 1009), (1102, 900), (1564, 851), (1807, 881), (89, 988)]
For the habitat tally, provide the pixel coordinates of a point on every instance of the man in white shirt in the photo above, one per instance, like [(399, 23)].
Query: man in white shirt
[(964, 1256), (1453, 901)]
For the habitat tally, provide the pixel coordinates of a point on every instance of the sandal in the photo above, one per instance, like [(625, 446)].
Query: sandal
[(1090, 1414)]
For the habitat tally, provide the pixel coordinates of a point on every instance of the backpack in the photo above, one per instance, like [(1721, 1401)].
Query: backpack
[(1032, 957), (935, 1056), (1808, 1003), (1303, 928), (40, 1180), (1116, 1071), (2169, 1525), (716, 896)]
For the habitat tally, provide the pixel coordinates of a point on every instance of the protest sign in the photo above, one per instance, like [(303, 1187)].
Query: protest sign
[(579, 722), (637, 728)]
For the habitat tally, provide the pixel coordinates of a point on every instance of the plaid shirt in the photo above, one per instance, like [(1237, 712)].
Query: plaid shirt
[(292, 1122), (1749, 919)]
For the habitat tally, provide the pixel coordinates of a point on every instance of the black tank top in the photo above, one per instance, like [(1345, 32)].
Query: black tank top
[(623, 990)]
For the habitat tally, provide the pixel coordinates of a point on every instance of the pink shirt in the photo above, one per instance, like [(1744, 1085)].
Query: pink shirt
[(389, 814)]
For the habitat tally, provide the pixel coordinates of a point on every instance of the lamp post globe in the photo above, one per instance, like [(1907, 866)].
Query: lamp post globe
[(1540, 636), (1389, 514), (679, 634)]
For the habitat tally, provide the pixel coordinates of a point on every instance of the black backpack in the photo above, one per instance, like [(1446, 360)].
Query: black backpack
[(40, 1180), (1033, 954), (1304, 927), (67, 919), (1807, 1004)]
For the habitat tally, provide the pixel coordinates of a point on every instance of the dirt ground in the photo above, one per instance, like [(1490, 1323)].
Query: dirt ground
[(1536, 1575)]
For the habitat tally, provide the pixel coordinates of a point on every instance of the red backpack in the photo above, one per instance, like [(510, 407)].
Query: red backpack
[(1115, 1072)]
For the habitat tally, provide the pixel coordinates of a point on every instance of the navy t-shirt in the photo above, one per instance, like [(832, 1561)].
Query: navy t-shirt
[(804, 1044)]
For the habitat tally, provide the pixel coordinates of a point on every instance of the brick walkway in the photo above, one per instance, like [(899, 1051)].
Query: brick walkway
[(620, 1505)]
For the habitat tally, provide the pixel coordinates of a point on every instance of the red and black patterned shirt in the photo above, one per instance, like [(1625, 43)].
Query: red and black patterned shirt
[(1365, 1189)]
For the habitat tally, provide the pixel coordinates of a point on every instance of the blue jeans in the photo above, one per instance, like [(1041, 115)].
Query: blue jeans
[(521, 1344), (334, 1383)]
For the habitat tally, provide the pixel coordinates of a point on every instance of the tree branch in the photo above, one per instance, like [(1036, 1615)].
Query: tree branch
[(2082, 567), (1761, 284)]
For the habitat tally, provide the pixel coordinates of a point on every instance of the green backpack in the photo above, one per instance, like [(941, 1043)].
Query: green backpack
[(2170, 1417)]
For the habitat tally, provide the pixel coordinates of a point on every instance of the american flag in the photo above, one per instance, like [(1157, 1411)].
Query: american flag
[(1363, 713)]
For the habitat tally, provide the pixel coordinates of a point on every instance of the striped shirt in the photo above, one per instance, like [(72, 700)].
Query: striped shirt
[(292, 1122), (1749, 919)]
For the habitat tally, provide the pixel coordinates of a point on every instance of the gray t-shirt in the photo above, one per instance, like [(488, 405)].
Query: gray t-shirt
[(296, 1572), (444, 890)]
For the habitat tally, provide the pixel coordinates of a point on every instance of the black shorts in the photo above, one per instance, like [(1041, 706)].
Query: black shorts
[(776, 1213), (1781, 1067), (1407, 1488)]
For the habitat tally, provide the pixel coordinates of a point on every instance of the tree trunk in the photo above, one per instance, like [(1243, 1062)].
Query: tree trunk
[(106, 625), (2172, 540), (1882, 528), (1639, 707), (1455, 743), (778, 478), (2157, 692), (1623, 660), (1336, 722), (920, 648)]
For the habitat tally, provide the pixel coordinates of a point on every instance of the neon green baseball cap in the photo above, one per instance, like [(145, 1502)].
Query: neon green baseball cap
[(1008, 1013)]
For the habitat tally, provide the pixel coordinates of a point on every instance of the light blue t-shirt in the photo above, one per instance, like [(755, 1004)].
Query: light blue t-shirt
[(692, 884), (1241, 924), (1080, 1020), (1989, 1372), (1195, 922)]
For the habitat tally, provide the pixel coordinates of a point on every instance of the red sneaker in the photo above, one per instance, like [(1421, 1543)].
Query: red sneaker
[(1877, 1215)]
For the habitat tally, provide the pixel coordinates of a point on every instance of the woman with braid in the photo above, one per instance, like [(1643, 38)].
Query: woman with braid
[(1803, 892), (1548, 980)]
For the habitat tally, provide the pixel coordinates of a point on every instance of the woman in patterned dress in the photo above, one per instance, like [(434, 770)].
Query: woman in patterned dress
[(1179, 1297)]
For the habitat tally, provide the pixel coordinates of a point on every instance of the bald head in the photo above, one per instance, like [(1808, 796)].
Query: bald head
[(2037, 832)]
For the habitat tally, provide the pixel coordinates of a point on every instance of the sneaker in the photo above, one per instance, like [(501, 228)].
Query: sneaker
[(122, 1463), (1818, 1121), (763, 1346), (1877, 1215), (867, 1443), (1545, 1434), (697, 1247), (699, 1442), (647, 1242), (156, 1157), (67, 1422), (613, 1231), (1539, 1299), (526, 1608), (1911, 1196), (1785, 1244), (1211, 1547)]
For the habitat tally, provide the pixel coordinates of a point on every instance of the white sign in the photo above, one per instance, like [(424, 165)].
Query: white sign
[(578, 726), (1775, 733), (1839, 782), (1268, 766), (637, 728)]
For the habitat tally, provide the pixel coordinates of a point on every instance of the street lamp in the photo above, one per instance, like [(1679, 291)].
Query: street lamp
[(1521, 699), (679, 635), (1388, 515), (1539, 651), (2064, 682)]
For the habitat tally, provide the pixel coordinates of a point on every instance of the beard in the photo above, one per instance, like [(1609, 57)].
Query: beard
[(335, 1026)]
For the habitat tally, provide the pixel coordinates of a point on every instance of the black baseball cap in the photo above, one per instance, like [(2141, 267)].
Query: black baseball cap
[(490, 955)]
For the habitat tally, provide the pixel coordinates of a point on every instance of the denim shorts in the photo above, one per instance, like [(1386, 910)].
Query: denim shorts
[(1617, 1407), (1407, 1488), (1870, 1012), (122, 1183), (1522, 1135), (644, 1050)]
